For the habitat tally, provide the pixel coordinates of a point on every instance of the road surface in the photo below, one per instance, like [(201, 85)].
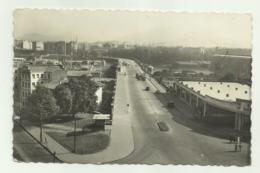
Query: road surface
[(180, 145)]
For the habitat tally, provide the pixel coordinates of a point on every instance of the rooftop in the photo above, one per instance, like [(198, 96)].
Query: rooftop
[(227, 91), (101, 117), (41, 68)]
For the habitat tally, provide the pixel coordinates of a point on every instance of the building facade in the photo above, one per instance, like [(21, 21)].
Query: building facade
[(30, 76)]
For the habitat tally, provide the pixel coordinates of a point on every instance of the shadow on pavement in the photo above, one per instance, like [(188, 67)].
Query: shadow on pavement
[(184, 115)]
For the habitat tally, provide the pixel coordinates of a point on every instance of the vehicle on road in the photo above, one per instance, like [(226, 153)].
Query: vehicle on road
[(163, 126), (140, 77), (170, 104), (147, 89)]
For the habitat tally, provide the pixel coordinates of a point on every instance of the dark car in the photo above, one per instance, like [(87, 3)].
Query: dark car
[(170, 104), (163, 126), (147, 89)]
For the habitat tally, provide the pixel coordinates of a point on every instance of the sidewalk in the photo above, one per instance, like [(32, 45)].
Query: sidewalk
[(121, 137)]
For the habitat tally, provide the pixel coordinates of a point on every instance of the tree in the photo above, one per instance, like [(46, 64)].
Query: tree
[(111, 71), (17, 94), (83, 91), (63, 96), (83, 98), (41, 105)]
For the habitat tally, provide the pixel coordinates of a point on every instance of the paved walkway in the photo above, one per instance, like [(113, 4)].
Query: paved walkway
[(121, 137)]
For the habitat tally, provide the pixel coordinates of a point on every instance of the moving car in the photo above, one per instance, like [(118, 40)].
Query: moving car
[(163, 126)]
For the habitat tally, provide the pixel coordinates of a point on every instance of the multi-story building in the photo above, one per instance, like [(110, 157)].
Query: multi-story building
[(30, 76), (58, 47), (27, 45), (38, 45)]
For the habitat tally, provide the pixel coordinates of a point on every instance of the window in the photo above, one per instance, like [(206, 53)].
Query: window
[(41, 75), (33, 83), (33, 76), (38, 75)]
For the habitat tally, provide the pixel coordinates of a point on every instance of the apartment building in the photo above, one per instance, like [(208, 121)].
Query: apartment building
[(30, 76)]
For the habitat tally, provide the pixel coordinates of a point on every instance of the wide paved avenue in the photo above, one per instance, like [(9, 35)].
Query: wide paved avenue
[(180, 145)]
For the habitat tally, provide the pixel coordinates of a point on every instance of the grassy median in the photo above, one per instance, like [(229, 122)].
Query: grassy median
[(86, 143)]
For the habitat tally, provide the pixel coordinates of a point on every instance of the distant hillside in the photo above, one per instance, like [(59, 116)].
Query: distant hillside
[(40, 37)]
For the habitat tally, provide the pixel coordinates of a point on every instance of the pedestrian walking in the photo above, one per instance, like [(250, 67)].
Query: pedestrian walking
[(45, 140), (240, 147), (127, 107), (235, 147)]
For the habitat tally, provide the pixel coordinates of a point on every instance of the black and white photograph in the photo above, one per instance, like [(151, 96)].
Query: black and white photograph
[(132, 87)]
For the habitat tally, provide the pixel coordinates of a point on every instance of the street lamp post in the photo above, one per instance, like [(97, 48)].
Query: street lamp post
[(41, 128), (75, 125)]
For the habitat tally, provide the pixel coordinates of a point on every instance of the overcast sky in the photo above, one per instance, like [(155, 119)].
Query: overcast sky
[(171, 29)]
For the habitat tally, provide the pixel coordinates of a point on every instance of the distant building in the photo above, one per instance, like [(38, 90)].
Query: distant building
[(55, 47), (30, 76), (27, 45), (71, 48), (39, 46), (17, 62)]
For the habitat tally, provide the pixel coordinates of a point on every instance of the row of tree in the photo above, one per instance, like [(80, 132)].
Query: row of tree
[(158, 55), (77, 95)]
